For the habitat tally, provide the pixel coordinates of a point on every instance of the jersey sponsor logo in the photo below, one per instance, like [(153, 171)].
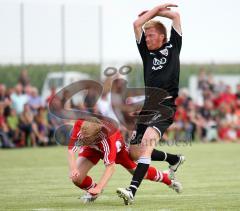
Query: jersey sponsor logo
[(158, 63), (157, 68), (164, 52)]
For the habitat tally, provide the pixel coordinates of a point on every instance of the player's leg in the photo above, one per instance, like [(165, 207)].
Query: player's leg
[(87, 159), (173, 160), (157, 155), (83, 181), (123, 158), (165, 177), (150, 137)]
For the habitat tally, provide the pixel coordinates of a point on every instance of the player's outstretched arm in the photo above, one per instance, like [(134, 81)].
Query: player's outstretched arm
[(109, 170), (145, 16), (72, 164), (174, 16)]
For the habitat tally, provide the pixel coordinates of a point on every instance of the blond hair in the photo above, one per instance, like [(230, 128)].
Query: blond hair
[(91, 127), (158, 26)]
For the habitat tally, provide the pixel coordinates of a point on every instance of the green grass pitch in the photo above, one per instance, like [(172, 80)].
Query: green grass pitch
[(37, 179)]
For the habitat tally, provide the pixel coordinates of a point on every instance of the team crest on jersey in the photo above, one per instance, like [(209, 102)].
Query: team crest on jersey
[(164, 52), (158, 63), (118, 146)]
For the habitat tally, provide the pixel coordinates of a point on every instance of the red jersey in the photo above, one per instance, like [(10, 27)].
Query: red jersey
[(109, 146)]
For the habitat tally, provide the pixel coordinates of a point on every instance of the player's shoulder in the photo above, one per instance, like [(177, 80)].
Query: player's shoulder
[(116, 136), (175, 34), (79, 122)]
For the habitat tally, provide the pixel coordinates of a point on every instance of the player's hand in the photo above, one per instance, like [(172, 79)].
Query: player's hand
[(167, 6), (142, 13), (164, 10), (162, 7), (95, 190), (74, 173)]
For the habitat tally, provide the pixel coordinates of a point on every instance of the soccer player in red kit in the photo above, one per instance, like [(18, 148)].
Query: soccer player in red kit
[(93, 141)]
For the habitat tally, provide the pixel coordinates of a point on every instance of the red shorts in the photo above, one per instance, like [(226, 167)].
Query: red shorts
[(122, 158)]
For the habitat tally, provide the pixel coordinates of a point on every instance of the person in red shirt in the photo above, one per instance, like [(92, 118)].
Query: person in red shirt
[(94, 142)]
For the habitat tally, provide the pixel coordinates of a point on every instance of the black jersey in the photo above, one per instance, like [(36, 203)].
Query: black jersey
[(162, 66)]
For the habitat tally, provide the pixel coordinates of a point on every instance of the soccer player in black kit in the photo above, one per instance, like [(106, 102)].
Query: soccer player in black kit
[(161, 70)]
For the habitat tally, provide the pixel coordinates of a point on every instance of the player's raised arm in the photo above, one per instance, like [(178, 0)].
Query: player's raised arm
[(145, 16), (174, 16)]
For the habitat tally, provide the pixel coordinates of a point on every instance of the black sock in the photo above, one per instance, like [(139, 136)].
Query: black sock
[(138, 176), (162, 156), (158, 155)]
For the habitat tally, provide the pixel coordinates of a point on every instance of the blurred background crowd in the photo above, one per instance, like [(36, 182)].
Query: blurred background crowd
[(25, 120), (214, 116)]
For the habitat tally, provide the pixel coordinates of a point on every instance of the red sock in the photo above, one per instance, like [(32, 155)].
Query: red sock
[(165, 179), (87, 183), (153, 174)]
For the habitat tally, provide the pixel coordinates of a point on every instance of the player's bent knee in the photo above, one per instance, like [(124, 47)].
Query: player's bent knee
[(147, 151), (135, 152), (77, 180)]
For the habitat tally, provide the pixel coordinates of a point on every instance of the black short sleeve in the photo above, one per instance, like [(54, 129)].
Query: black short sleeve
[(142, 46), (176, 39)]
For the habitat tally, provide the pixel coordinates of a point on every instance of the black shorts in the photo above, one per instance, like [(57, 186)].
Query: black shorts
[(160, 125)]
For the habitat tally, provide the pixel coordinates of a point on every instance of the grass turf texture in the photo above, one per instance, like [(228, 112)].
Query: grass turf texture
[(37, 179)]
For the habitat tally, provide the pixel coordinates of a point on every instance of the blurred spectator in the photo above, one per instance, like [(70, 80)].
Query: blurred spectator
[(34, 101), (66, 101), (23, 78), (4, 98), (26, 125), (90, 101), (220, 87), (202, 80), (226, 97), (19, 99), (227, 131), (180, 120), (207, 111), (14, 132), (27, 90), (183, 98), (52, 94), (209, 130), (210, 127), (104, 104), (42, 126), (4, 140), (238, 92)]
